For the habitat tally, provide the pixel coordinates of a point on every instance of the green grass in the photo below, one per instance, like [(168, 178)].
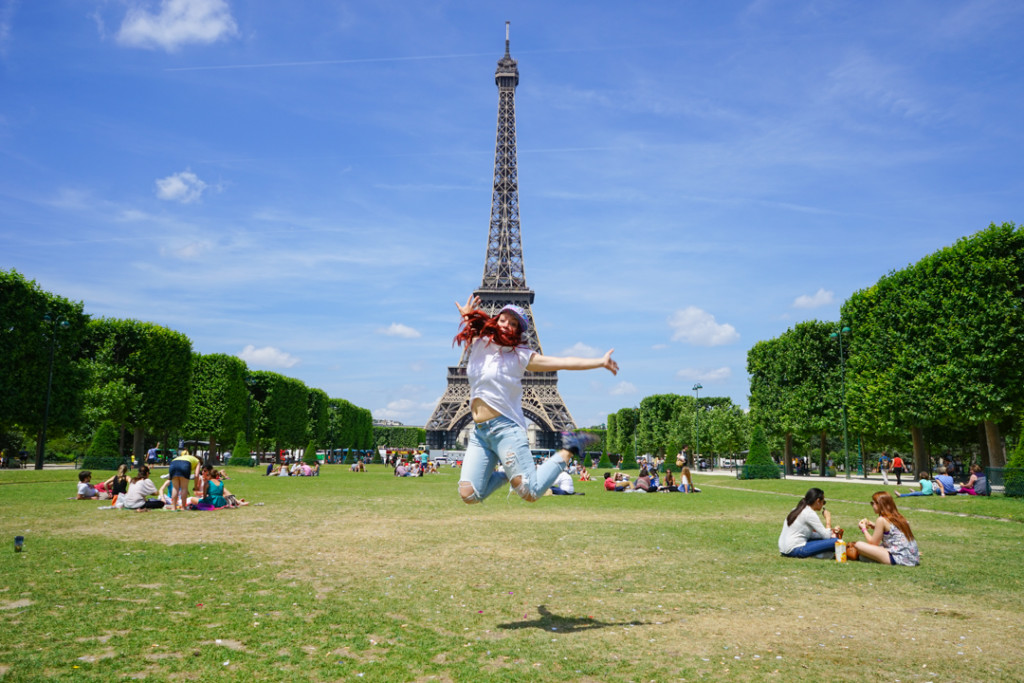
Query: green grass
[(365, 577)]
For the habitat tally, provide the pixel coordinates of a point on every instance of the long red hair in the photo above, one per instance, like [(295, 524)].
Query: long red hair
[(476, 324), (887, 508)]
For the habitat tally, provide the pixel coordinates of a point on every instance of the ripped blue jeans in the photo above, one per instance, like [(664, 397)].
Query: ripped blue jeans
[(500, 440)]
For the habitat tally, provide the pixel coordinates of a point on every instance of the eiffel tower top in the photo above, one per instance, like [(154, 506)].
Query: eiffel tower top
[(507, 68), (503, 265)]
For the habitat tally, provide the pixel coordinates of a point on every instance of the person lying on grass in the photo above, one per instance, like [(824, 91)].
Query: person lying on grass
[(926, 487), (888, 540), (86, 491)]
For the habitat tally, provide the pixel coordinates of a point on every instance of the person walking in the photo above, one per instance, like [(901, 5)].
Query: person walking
[(498, 359), (883, 467), (897, 468)]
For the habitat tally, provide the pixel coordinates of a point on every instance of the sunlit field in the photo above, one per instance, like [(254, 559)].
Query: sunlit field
[(365, 577)]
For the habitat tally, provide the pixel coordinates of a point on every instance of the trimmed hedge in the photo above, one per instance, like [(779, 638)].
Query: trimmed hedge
[(759, 464)]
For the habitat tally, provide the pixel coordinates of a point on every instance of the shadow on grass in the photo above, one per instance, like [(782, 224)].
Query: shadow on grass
[(548, 621)]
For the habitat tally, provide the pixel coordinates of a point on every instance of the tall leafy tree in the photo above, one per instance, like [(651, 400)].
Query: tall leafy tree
[(27, 340), (283, 416), (218, 402)]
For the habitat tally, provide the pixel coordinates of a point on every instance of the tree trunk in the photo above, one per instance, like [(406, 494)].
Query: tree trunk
[(788, 450), (920, 449), (823, 456), (120, 442), (996, 454), (210, 452), (139, 446), (985, 461)]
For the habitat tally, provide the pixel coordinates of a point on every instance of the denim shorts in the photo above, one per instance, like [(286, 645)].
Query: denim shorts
[(502, 441)]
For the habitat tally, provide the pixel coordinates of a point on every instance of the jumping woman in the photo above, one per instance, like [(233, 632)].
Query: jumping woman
[(498, 359)]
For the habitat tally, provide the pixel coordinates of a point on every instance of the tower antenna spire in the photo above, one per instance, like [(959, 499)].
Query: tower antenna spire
[(506, 37)]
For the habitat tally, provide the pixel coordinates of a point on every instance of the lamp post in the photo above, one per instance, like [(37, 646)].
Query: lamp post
[(57, 322), (696, 390), (842, 369)]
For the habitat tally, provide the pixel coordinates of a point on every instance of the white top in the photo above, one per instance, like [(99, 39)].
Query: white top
[(137, 492), (564, 482), (87, 489), (496, 377), (806, 527)]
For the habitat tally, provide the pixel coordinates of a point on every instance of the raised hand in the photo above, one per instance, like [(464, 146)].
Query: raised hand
[(472, 304), (610, 364)]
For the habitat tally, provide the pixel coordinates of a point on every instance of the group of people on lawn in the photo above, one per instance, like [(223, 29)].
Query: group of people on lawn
[(298, 469), (133, 493), (943, 484)]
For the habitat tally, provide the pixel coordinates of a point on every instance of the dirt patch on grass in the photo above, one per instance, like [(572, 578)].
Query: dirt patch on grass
[(16, 604)]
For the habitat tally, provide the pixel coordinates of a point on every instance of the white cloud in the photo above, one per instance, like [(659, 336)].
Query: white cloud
[(184, 187), (704, 375), (267, 357), (822, 297), (581, 350), (400, 330), (698, 327), (405, 408), (192, 251), (178, 22), (623, 389)]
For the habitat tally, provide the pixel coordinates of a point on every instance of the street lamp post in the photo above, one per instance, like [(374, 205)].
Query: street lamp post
[(842, 369), (696, 390), (61, 322)]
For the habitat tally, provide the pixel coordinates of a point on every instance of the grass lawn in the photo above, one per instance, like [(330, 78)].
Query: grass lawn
[(365, 577)]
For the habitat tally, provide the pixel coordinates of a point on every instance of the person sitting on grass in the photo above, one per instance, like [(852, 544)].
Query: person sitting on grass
[(926, 487), (686, 482), (977, 484), (670, 483), (117, 485), (613, 484), (86, 491), (643, 482), (138, 489), (803, 534), (888, 540), (563, 485), (944, 483), (584, 474)]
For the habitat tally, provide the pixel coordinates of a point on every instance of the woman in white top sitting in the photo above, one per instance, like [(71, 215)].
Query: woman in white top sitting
[(803, 534), (138, 489), (498, 359)]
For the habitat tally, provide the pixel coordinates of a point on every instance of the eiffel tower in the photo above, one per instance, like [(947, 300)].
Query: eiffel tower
[(504, 283)]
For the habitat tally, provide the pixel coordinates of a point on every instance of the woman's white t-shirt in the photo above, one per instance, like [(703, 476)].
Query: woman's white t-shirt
[(137, 492), (496, 377), (806, 527)]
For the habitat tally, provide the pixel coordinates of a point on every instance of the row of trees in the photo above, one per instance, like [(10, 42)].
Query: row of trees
[(664, 423), (148, 382), (930, 358)]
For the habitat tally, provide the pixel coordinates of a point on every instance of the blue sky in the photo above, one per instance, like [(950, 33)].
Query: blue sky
[(307, 184)]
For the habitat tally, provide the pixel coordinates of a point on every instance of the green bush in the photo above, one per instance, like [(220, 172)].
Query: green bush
[(605, 463), (103, 453), (759, 463), (240, 453), (309, 455), (1013, 475)]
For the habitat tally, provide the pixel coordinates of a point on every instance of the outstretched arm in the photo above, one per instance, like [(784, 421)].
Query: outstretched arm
[(539, 363)]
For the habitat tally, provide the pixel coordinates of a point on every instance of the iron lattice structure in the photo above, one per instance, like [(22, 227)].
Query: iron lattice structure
[(504, 283)]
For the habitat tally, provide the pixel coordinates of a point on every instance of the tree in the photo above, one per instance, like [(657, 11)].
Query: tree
[(759, 464), (219, 399), (283, 409), (240, 452), (309, 455), (103, 453), (27, 340), (319, 422)]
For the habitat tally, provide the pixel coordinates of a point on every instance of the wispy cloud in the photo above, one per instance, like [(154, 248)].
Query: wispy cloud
[(623, 389), (705, 375), (267, 357), (581, 350), (184, 187), (6, 21), (698, 327), (400, 330), (822, 297), (177, 23)]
